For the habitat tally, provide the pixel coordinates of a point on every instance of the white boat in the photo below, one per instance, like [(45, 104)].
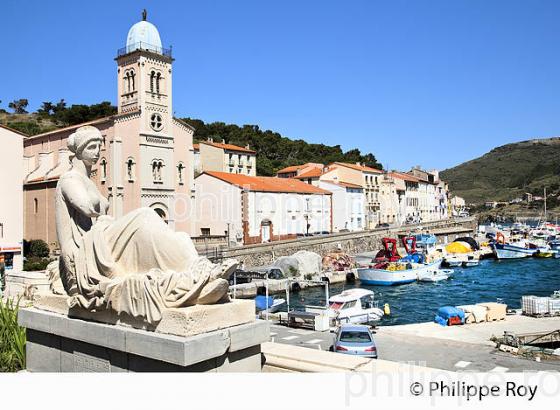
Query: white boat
[(270, 304), (436, 275), (403, 272), (354, 306), (509, 251), (453, 261), (471, 261)]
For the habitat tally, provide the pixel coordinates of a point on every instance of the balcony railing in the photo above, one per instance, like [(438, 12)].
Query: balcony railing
[(146, 47)]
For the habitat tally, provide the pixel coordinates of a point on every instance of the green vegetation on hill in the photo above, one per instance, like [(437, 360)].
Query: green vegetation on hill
[(274, 151), (52, 115), (508, 171)]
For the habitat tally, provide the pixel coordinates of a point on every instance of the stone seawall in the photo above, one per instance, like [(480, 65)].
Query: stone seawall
[(349, 242)]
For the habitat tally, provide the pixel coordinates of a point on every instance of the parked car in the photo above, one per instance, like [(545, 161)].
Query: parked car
[(355, 340)]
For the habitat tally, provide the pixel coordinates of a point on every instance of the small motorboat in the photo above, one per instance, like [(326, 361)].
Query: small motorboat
[(436, 275), (270, 303), (453, 261), (471, 261), (356, 306)]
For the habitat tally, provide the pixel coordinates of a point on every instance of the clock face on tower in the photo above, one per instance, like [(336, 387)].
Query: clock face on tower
[(156, 122)]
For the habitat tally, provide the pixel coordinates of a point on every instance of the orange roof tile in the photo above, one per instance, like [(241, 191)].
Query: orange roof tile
[(267, 184), (344, 184), (229, 147), (292, 168), (312, 173), (357, 167)]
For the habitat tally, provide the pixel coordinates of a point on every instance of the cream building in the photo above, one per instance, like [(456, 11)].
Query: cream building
[(366, 177), (11, 205), (348, 205), (146, 156), (223, 157), (253, 210)]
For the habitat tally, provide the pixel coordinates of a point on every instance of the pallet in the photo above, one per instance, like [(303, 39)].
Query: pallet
[(541, 315)]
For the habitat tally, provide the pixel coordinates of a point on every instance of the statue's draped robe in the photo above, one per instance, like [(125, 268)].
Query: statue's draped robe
[(135, 264)]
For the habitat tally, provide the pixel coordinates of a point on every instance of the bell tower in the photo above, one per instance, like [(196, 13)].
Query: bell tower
[(144, 78)]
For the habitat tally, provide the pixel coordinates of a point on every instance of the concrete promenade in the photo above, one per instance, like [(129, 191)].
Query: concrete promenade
[(456, 348)]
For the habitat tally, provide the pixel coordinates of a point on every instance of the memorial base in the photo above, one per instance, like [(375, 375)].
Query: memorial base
[(58, 343)]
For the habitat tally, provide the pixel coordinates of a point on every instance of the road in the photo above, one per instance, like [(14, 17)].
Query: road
[(425, 351)]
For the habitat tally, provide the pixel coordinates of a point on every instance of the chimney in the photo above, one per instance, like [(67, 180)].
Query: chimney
[(223, 141), (247, 146), (210, 139)]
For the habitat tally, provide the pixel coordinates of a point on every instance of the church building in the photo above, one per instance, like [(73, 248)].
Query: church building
[(146, 156)]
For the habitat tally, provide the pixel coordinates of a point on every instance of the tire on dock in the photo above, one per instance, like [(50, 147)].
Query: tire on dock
[(350, 277)]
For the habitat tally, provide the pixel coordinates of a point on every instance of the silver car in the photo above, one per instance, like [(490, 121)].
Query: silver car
[(355, 340)]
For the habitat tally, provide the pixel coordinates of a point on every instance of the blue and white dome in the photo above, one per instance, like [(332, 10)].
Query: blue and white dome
[(145, 36)]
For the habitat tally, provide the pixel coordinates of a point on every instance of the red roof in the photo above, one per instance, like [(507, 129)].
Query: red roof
[(344, 184), (292, 168), (267, 184), (357, 167), (312, 173), (229, 147)]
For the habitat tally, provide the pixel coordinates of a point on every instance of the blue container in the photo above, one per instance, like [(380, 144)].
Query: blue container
[(449, 311)]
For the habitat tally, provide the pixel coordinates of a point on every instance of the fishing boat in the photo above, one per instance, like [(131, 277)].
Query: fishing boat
[(437, 275), (395, 273), (453, 261), (518, 248), (356, 306)]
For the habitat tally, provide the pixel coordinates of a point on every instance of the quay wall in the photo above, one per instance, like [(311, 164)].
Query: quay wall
[(348, 242)]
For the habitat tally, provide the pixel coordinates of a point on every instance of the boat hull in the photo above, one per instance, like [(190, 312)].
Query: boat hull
[(383, 277), (505, 251)]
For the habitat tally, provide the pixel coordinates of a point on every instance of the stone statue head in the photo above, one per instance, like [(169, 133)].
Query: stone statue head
[(85, 144)]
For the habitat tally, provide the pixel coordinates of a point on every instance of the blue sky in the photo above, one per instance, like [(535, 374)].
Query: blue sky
[(430, 83)]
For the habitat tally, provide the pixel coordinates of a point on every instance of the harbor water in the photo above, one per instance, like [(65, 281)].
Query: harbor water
[(418, 302)]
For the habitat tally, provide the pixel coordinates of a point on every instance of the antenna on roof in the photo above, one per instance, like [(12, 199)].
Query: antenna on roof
[(144, 15)]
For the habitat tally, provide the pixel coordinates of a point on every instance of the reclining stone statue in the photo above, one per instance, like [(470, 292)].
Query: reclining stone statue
[(135, 264)]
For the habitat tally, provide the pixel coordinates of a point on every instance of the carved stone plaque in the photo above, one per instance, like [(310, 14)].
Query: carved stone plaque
[(88, 364)]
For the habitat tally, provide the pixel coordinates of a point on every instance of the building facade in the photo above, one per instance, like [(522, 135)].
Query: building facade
[(348, 205), (147, 156), (11, 205), (223, 157), (253, 210)]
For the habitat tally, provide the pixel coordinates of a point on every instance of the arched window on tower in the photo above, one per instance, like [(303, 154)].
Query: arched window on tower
[(130, 169), (132, 85), (180, 172), (157, 170), (35, 205), (158, 78), (152, 77), (103, 165), (160, 169)]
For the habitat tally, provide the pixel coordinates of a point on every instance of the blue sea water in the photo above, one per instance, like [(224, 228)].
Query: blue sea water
[(492, 279)]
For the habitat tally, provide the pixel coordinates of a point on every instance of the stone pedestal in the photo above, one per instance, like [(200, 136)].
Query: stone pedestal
[(26, 283), (59, 343)]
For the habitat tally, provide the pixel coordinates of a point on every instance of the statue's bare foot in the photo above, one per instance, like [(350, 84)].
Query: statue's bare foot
[(213, 292), (224, 269)]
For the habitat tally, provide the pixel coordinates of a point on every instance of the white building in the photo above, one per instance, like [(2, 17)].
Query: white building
[(11, 205), (252, 209), (348, 205)]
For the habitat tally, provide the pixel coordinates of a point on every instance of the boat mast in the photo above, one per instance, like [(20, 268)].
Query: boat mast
[(545, 205)]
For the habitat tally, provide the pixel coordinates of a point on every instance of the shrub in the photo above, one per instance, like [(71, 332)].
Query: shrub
[(35, 263), (12, 338), (38, 247)]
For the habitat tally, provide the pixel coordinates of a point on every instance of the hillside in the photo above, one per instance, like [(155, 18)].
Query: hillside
[(508, 171), (273, 150)]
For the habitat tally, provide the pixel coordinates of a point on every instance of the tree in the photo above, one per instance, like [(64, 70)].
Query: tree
[(46, 109), (19, 106)]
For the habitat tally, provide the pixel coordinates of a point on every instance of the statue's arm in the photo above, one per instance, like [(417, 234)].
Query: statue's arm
[(77, 196)]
